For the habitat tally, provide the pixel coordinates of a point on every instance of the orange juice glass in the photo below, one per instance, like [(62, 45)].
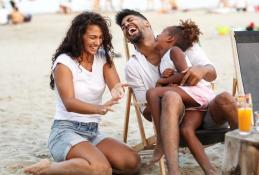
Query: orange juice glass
[(245, 120), (245, 115)]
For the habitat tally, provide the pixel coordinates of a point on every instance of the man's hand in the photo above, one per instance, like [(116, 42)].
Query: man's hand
[(167, 73), (107, 106), (192, 75), (118, 90)]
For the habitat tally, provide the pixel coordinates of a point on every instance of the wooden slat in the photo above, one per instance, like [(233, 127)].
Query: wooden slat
[(239, 87), (151, 144), (127, 115)]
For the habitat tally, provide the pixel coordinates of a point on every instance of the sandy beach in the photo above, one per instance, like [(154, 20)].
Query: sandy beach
[(27, 104)]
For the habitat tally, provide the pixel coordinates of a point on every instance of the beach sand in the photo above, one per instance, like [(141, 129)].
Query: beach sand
[(27, 104)]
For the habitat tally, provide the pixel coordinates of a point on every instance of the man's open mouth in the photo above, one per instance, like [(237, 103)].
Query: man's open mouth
[(131, 30)]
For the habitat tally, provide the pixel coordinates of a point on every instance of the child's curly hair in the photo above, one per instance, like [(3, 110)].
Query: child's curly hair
[(186, 33)]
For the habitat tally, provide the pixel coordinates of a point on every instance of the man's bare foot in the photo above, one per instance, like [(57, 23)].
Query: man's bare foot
[(157, 154), (36, 168)]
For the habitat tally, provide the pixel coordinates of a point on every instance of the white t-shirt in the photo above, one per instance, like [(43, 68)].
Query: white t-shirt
[(166, 62), (140, 75), (197, 56), (88, 87)]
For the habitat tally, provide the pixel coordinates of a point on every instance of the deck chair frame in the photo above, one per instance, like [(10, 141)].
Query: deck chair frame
[(246, 59), (146, 143)]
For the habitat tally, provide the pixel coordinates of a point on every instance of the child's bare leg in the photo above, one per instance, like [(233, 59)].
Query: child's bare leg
[(192, 120)]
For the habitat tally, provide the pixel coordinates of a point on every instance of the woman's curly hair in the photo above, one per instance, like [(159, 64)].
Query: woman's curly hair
[(186, 33), (73, 44)]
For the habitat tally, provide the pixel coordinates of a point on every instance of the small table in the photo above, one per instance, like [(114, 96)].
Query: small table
[(241, 154)]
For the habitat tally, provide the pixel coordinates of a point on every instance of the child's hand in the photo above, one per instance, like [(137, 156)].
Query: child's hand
[(167, 73), (118, 90), (159, 82)]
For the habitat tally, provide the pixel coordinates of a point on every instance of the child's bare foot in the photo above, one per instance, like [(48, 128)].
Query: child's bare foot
[(157, 154), (37, 167)]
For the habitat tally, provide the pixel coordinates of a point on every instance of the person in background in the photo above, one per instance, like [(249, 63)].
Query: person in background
[(16, 17)]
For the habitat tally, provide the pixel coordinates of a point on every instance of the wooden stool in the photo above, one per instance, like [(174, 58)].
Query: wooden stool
[(241, 154)]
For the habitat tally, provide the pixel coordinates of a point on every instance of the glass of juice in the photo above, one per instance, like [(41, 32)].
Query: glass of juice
[(245, 114)]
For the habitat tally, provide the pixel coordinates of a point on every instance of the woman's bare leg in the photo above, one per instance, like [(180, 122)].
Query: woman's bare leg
[(82, 159), (121, 157), (192, 120)]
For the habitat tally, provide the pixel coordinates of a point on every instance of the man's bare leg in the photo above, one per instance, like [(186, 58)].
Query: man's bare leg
[(223, 108), (172, 108)]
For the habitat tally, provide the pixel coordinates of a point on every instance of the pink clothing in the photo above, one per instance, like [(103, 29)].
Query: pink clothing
[(201, 94)]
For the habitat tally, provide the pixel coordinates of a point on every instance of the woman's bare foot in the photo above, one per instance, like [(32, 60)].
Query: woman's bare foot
[(36, 168), (157, 154)]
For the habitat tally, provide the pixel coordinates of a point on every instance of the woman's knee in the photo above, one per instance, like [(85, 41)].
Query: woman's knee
[(130, 163)]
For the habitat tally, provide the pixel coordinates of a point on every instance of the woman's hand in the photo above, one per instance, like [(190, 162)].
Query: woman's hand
[(118, 90), (107, 106)]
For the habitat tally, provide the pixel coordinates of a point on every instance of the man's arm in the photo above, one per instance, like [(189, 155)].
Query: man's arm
[(197, 72), (202, 67)]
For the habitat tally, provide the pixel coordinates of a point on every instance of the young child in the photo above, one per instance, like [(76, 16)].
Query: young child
[(171, 44)]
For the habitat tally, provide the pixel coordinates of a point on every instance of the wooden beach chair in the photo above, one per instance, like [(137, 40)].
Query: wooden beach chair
[(245, 46), (146, 143)]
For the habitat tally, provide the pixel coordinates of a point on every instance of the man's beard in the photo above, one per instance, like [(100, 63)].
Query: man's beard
[(136, 39)]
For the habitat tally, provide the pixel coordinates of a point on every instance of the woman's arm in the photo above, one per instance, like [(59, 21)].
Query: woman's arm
[(113, 81), (64, 83)]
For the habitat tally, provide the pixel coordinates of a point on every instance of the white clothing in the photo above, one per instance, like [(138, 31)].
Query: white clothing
[(197, 56), (88, 87), (3, 16), (166, 62), (202, 92), (141, 76)]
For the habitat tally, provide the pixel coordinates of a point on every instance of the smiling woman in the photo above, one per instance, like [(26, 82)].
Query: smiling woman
[(81, 68)]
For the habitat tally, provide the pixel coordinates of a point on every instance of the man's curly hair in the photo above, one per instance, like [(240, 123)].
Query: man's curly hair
[(125, 12)]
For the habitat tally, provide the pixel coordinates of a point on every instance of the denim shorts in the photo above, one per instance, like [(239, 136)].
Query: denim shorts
[(65, 134)]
